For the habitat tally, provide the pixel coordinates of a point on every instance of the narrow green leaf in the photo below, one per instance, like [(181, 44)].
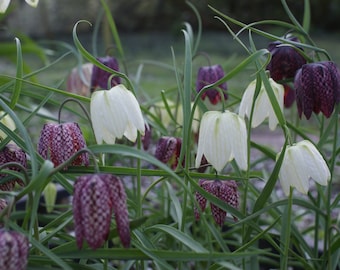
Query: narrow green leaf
[(19, 73)]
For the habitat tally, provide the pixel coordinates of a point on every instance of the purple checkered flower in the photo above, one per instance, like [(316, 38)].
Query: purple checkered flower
[(317, 88), (100, 77), (58, 142), (13, 250), (285, 61), (168, 150), (11, 153), (95, 197), (208, 75), (224, 190)]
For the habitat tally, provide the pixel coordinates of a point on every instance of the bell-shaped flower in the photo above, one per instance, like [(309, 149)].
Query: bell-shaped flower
[(302, 162), (11, 153), (100, 78), (222, 137), (95, 197), (79, 79), (209, 75), (14, 248), (115, 113), (168, 150), (317, 88), (58, 142), (5, 3), (262, 108), (224, 190)]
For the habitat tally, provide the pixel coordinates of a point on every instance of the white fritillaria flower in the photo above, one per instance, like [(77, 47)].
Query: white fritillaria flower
[(301, 162), (5, 3), (222, 137), (115, 113), (8, 122), (262, 108)]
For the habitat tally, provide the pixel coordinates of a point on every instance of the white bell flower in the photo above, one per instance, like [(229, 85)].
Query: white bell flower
[(222, 137), (5, 3), (6, 120), (302, 162), (262, 108), (115, 113)]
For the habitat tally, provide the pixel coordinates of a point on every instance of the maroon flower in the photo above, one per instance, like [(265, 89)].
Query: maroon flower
[(11, 153), (224, 190), (100, 77), (95, 197), (208, 75), (58, 142), (13, 250), (317, 87), (285, 61), (168, 150)]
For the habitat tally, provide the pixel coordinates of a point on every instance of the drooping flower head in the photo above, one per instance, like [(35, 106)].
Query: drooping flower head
[(115, 113), (224, 190), (14, 248), (100, 77), (222, 137), (208, 75), (285, 61), (95, 197), (79, 79), (58, 142), (168, 149), (317, 87), (5, 3), (11, 153), (302, 162), (263, 108)]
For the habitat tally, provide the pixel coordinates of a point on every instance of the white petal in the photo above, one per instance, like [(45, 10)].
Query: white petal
[(32, 3), (247, 100), (4, 5)]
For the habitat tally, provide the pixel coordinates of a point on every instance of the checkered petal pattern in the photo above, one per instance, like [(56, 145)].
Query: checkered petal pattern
[(95, 197), (12, 153), (58, 142), (13, 250), (224, 190)]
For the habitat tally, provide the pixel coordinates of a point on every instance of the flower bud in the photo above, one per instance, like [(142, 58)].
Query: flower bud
[(168, 149)]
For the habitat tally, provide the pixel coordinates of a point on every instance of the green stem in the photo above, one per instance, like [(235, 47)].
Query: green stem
[(285, 236)]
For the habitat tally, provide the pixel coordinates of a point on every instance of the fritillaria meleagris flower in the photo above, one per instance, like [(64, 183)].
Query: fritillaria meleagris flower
[(285, 61), (5, 3), (302, 162), (208, 75), (317, 87), (100, 78), (168, 150), (79, 79), (222, 138), (58, 142), (224, 190), (6, 120), (115, 113), (262, 108), (95, 197), (11, 153), (14, 248)]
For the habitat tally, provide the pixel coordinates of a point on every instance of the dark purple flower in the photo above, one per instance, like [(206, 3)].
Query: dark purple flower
[(100, 77), (13, 250), (285, 61), (224, 190), (208, 75), (11, 153), (58, 142), (95, 197), (317, 87), (168, 150)]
